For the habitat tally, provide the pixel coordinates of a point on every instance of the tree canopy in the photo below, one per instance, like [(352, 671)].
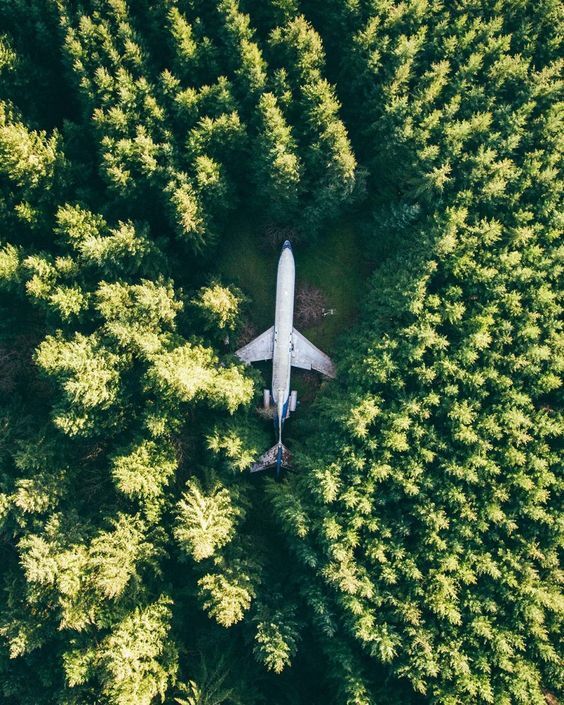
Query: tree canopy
[(413, 555)]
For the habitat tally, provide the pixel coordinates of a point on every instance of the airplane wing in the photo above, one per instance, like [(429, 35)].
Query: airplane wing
[(308, 357), (260, 348)]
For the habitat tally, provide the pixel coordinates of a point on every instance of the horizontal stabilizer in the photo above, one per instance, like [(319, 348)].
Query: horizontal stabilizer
[(260, 348), (268, 459)]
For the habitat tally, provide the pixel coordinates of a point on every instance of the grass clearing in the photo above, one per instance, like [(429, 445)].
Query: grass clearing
[(334, 264)]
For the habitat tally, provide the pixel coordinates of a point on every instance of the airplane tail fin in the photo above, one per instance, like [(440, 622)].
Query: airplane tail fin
[(278, 456)]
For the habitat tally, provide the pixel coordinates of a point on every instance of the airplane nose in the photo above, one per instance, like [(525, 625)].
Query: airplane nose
[(287, 245)]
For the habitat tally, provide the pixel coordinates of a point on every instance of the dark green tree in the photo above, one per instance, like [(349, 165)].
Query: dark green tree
[(413, 555)]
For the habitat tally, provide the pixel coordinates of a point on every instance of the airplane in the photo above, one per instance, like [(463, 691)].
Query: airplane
[(287, 348)]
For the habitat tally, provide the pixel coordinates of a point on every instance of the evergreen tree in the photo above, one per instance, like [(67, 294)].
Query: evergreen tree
[(412, 557), (329, 160)]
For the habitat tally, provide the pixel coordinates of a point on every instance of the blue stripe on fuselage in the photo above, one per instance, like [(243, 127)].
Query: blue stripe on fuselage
[(284, 412)]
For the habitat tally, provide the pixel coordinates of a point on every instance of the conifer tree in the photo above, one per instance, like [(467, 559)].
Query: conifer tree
[(329, 160), (412, 557)]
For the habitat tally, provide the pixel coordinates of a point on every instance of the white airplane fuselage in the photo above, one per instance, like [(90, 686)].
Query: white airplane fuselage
[(283, 331), (287, 348)]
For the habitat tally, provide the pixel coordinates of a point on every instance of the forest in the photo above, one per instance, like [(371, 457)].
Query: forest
[(154, 155)]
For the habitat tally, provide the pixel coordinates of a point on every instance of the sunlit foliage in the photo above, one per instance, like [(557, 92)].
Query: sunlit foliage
[(413, 555)]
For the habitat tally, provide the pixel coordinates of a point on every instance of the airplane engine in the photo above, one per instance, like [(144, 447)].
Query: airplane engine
[(293, 400), (266, 398)]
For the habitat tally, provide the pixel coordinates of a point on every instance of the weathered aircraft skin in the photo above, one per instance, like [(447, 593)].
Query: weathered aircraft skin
[(287, 348)]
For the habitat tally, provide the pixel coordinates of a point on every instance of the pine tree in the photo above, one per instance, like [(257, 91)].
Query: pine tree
[(413, 555), (277, 166), (330, 165)]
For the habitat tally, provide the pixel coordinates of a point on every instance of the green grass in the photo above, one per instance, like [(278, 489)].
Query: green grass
[(243, 262), (337, 268), (334, 264)]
